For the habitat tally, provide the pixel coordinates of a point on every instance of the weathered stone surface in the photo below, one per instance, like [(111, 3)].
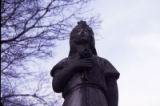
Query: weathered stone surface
[(83, 78)]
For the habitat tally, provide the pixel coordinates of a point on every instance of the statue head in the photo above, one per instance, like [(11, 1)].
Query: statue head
[(82, 40)]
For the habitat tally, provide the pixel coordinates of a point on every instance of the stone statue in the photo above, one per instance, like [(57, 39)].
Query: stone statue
[(84, 78)]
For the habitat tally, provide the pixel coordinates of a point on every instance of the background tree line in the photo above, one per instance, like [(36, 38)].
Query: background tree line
[(29, 29)]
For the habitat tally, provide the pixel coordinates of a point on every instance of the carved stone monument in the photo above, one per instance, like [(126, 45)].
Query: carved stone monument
[(83, 78)]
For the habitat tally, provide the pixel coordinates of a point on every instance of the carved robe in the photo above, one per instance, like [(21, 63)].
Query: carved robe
[(88, 88), (93, 86)]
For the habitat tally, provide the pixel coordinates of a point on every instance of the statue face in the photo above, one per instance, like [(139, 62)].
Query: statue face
[(82, 40), (82, 35)]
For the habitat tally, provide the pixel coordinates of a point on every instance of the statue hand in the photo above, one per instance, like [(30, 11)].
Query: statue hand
[(80, 64)]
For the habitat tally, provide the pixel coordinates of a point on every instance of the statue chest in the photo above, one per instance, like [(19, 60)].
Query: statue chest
[(87, 88)]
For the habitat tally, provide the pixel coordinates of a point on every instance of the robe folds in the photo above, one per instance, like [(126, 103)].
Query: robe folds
[(88, 87)]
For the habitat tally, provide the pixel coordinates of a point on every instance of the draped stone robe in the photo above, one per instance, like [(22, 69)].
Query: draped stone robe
[(94, 87)]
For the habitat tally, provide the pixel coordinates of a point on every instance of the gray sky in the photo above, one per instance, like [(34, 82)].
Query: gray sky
[(130, 39)]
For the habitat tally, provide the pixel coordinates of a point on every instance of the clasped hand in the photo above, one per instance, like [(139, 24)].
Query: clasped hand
[(80, 64)]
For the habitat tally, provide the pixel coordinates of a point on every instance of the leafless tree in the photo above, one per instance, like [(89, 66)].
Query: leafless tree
[(29, 29)]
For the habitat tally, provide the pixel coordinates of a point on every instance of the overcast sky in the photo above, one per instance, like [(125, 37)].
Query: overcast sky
[(130, 39)]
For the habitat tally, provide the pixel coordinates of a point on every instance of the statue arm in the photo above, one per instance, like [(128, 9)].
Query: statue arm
[(111, 75), (61, 77), (62, 73), (112, 92)]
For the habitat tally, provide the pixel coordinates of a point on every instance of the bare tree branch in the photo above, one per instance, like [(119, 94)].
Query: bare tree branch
[(29, 29)]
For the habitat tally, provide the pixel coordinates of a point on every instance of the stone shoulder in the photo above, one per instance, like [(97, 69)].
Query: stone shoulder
[(107, 67), (59, 65)]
